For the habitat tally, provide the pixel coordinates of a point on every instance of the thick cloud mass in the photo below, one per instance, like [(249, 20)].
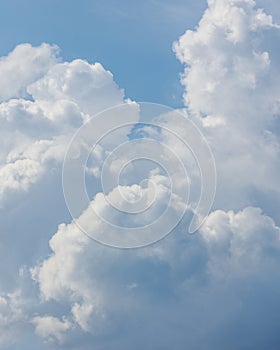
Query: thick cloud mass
[(44, 102), (232, 91), (217, 289)]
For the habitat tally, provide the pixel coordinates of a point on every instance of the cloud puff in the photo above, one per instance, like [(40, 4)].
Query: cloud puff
[(13, 321), (51, 328), (227, 64), (24, 65), (90, 87)]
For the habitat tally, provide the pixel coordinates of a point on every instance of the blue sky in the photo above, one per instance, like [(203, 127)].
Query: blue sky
[(132, 39)]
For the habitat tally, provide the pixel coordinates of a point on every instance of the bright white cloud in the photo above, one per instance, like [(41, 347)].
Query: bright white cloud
[(227, 65), (24, 65), (91, 87), (232, 91)]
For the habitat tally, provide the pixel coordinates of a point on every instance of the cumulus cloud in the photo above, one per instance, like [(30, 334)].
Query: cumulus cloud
[(90, 87), (43, 102), (187, 281), (24, 65), (216, 289), (62, 95), (226, 54), (232, 91)]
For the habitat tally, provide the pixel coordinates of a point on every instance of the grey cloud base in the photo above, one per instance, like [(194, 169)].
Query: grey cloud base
[(218, 289)]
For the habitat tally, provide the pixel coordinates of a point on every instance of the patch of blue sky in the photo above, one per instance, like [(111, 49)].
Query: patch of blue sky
[(132, 39), (143, 130)]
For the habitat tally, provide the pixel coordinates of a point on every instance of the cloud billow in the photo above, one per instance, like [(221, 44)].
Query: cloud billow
[(218, 289)]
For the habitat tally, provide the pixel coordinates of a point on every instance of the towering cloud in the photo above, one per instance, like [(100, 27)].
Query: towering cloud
[(231, 85)]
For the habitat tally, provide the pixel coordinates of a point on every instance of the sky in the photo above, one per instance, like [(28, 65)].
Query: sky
[(139, 175), (115, 33)]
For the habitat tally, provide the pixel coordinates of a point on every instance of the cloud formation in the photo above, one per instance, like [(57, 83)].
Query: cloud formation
[(216, 289), (43, 103), (232, 90)]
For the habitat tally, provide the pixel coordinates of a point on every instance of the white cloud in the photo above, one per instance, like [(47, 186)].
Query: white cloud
[(232, 93), (209, 275), (35, 130), (13, 321), (244, 240), (51, 328), (91, 87), (24, 65), (227, 65), (216, 289)]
